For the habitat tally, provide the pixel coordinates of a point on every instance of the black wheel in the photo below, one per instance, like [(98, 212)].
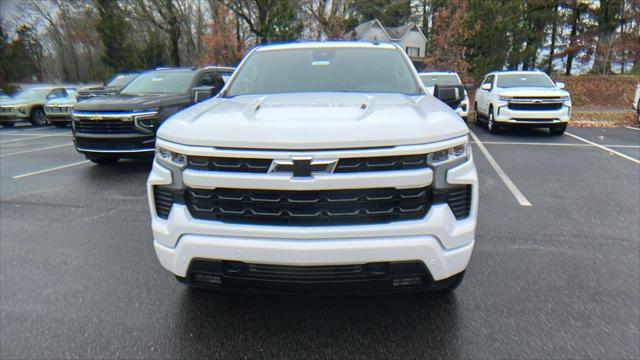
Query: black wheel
[(476, 115), (491, 123), (557, 130), (103, 160), (38, 117), (7, 124), (59, 124)]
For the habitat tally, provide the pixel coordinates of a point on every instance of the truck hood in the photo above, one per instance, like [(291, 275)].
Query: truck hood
[(532, 91), (130, 102), (314, 121)]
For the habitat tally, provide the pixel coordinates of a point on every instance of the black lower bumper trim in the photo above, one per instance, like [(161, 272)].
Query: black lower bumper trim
[(370, 278)]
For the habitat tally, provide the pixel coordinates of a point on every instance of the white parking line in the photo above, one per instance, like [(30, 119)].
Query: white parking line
[(50, 169), (34, 150), (505, 178), (601, 147), (555, 144), (632, 128), (24, 139)]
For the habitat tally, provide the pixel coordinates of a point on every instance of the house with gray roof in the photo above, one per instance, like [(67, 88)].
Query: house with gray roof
[(408, 36)]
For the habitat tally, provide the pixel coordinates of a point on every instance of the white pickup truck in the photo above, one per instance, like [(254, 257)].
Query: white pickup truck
[(320, 167), (431, 78), (522, 98)]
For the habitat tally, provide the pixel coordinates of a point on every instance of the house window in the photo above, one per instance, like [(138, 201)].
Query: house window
[(413, 51)]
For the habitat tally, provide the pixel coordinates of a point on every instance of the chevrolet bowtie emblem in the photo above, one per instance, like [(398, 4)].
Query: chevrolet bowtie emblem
[(302, 166), (96, 117)]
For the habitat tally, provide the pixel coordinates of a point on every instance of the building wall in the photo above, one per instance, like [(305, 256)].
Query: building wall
[(414, 39)]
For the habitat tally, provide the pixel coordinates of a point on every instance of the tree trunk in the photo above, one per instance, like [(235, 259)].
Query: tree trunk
[(572, 40), (554, 31)]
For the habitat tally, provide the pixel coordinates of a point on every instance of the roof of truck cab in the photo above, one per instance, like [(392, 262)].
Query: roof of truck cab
[(517, 72), (328, 44)]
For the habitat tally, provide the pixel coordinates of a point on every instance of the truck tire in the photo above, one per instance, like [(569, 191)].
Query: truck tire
[(557, 130), (38, 117), (103, 160), (491, 123)]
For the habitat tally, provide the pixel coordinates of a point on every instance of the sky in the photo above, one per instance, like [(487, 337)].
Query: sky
[(7, 9)]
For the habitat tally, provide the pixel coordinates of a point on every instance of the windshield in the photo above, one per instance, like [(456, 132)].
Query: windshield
[(517, 80), (32, 93), (121, 80), (161, 82), (442, 79), (324, 70)]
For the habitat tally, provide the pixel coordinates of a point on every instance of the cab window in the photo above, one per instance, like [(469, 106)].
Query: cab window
[(211, 79)]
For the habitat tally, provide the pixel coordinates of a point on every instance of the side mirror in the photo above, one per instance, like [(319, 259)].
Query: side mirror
[(201, 93), (451, 95), (486, 86), (560, 84)]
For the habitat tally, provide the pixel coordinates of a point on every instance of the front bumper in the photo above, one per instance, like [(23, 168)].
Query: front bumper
[(506, 116), (116, 145), (58, 117), (13, 116), (439, 241)]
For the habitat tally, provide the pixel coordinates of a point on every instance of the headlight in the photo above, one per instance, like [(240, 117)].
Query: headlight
[(21, 109), (449, 155), (505, 98), (565, 98), (171, 158)]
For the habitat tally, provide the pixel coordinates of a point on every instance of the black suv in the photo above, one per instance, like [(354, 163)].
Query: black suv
[(106, 129), (110, 87)]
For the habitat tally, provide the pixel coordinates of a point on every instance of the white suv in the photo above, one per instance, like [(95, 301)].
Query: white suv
[(319, 167), (431, 78), (527, 98)]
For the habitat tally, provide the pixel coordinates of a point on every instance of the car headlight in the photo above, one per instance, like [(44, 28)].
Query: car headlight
[(449, 155), (21, 109), (171, 158), (505, 98)]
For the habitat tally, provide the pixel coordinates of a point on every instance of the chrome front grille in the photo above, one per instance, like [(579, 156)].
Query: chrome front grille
[(345, 165)]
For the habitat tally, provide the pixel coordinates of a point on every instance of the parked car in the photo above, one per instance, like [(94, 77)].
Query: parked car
[(431, 78), (319, 167), (110, 87), (124, 125), (28, 105), (523, 98), (636, 102), (59, 110)]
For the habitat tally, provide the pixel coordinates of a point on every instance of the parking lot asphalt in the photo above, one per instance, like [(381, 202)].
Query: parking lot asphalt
[(557, 279)]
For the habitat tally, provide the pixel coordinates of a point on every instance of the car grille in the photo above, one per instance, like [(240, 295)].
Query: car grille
[(345, 165), (535, 107), (325, 207), (104, 126), (229, 164)]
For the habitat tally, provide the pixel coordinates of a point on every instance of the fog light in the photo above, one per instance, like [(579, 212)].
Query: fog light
[(206, 278), (407, 281)]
